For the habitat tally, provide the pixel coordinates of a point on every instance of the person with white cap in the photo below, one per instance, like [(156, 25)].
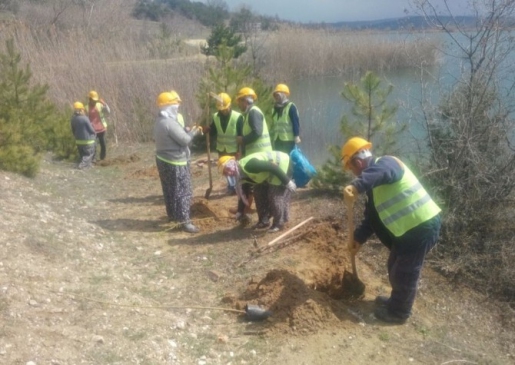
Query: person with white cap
[(401, 214), (172, 159)]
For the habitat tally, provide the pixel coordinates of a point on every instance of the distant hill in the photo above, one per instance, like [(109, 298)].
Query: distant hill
[(405, 23)]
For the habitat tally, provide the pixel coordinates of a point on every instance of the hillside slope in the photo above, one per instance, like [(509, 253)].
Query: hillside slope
[(92, 273)]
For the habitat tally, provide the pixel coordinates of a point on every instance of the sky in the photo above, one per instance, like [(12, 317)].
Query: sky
[(336, 10)]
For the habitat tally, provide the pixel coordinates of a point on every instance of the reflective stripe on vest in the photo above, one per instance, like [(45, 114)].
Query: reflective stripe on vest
[(281, 159), (84, 142), (226, 141), (262, 144), (283, 128), (176, 163), (404, 204)]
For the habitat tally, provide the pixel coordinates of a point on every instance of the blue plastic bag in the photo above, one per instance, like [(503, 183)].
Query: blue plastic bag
[(303, 171)]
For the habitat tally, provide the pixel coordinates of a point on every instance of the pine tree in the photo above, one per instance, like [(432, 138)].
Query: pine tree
[(371, 119), (27, 118), (227, 75)]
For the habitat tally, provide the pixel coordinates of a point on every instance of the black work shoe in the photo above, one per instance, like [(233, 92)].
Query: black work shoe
[(274, 229), (261, 225), (383, 314), (382, 300), (190, 228)]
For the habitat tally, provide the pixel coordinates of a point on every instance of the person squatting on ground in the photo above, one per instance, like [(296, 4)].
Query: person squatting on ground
[(252, 136), (97, 110), (223, 128), (84, 135), (272, 187), (401, 214), (172, 160), (285, 132)]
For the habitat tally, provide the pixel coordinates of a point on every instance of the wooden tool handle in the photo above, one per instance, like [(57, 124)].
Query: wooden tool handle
[(350, 243)]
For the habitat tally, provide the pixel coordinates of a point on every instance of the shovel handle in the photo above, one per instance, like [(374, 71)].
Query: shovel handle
[(350, 229)]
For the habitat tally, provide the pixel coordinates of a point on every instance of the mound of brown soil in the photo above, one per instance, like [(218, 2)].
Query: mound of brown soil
[(304, 298)]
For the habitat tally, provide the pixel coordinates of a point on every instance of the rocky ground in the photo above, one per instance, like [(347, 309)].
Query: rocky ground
[(91, 272)]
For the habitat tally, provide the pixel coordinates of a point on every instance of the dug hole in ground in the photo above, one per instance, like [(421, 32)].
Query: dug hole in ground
[(92, 272)]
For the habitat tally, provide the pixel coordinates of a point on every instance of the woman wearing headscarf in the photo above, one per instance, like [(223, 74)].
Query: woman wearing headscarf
[(172, 159), (267, 171)]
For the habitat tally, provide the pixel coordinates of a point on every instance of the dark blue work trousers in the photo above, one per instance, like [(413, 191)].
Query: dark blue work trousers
[(405, 263)]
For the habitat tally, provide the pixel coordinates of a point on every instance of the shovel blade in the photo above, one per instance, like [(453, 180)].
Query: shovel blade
[(208, 193), (353, 288), (256, 313)]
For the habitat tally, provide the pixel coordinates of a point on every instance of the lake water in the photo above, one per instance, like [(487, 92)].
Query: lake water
[(321, 106)]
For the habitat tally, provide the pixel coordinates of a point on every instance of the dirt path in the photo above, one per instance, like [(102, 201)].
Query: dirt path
[(92, 273)]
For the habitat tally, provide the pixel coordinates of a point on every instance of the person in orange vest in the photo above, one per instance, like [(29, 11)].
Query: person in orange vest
[(97, 111), (400, 212), (84, 135), (223, 127)]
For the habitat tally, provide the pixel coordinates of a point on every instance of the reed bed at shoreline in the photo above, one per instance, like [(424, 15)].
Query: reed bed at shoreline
[(297, 53), (112, 53)]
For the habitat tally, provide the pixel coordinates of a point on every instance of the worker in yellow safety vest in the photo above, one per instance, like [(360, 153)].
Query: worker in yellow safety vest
[(285, 121), (253, 135), (223, 128), (401, 214), (267, 171)]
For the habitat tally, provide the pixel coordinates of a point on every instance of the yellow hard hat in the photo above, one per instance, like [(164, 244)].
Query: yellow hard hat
[(246, 91), (168, 98), (282, 88), (353, 145), (224, 101), (223, 160), (78, 105), (93, 95), (176, 97)]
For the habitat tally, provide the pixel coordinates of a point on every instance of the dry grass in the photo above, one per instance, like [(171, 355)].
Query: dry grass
[(301, 52), (105, 49)]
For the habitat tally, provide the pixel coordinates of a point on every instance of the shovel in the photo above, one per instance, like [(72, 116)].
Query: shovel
[(208, 144), (353, 288)]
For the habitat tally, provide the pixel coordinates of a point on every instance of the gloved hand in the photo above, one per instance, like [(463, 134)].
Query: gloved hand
[(239, 140), (350, 193), (196, 130), (206, 129), (291, 186), (297, 140), (354, 249)]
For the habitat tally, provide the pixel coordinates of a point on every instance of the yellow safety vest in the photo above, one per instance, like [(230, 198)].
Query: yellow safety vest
[(282, 128), (281, 159), (404, 204), (262, 144), (226, 141), (180, 119)]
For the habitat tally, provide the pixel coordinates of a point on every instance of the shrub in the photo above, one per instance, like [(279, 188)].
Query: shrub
[(30, 124), (372, 121)]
